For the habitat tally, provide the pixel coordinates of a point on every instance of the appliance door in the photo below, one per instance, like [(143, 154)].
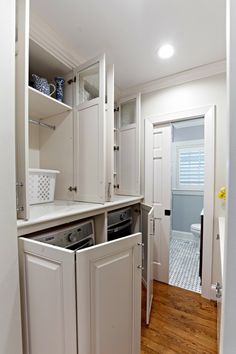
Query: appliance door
[(109, 297), (119, 230), (48, 298)]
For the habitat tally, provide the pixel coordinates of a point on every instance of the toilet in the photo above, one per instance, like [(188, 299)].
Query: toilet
[(196, 230)]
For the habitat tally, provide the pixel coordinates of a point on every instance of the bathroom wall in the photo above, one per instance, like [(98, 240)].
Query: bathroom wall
[(186, 210)]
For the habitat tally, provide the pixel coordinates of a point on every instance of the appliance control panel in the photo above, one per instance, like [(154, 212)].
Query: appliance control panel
[(66, 236), (118, 216)]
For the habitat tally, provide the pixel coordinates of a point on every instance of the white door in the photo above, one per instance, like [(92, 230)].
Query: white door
[(89, 132), (48, 298), (128, 149), (162, 200), (147, 227), (109, 297)]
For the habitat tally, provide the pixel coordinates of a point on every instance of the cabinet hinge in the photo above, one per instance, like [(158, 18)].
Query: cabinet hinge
[(218, 290), (20, 209), (117, 109), (72, 189), (71, 80), (116, 148)]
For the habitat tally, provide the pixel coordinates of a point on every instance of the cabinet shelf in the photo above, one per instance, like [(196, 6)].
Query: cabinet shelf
[(42, 106)]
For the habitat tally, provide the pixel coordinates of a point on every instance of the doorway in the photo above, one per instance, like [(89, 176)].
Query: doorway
[(159, 147), (187, 203)]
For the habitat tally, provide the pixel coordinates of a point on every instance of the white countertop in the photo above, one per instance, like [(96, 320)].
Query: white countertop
[(52, 214), (222, 242)]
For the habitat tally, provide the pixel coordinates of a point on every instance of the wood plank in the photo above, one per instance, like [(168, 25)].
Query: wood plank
[(181, 322)]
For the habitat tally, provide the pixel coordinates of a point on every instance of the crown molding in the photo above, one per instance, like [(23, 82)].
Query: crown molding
[(183, 77), (47, 38)]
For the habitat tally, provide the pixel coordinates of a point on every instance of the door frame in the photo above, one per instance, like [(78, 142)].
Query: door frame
[(208, 113)]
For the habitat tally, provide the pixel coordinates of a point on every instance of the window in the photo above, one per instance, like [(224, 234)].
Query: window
[(189, 166)]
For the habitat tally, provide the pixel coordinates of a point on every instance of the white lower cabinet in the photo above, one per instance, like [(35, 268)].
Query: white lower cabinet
[(83, 302)]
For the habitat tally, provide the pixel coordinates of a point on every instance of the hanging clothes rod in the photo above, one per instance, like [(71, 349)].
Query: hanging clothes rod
[(45, 125)]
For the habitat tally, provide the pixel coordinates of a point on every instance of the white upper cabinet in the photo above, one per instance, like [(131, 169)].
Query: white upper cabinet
[(128, 149), (74, 136), (90, 131)]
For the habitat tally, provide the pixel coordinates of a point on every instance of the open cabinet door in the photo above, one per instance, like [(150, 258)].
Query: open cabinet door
[(110, 134), (22, 116), (109, 297), (128, 149), (89, 132), (147, 227), (48, 298)]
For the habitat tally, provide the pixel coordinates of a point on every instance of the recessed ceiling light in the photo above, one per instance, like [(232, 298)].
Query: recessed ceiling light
[(166, 51)]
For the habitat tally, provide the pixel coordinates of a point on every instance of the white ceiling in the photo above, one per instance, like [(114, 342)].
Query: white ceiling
[(131, 31)]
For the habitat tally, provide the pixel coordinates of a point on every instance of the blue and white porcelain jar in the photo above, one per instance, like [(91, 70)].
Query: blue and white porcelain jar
[(41, 84), (59, 88)]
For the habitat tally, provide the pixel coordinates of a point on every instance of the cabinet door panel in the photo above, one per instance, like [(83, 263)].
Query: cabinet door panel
[(90, 172), (127, 174), (128, 156), (48, 293), (22, 135), (110, 134), (109, 297), (90, 132), (147, 227)]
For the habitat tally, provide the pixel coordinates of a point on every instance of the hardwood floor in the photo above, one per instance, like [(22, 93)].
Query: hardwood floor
[(181, 322)]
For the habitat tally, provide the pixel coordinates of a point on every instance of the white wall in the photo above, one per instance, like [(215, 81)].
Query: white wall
[(211, 90), (228, 337), (10, 328)]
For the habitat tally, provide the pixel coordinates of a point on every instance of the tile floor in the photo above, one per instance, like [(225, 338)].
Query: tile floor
[(184, 265)]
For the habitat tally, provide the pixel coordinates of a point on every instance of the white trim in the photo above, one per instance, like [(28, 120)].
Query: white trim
[(208, 112), (187, 192), (47, 38), (197, 73)]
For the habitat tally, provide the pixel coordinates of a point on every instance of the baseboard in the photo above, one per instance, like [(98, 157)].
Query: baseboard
[(182, 235)]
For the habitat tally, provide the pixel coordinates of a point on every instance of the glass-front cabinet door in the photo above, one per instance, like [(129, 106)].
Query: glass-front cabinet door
[(89, 132), (128, 150)]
